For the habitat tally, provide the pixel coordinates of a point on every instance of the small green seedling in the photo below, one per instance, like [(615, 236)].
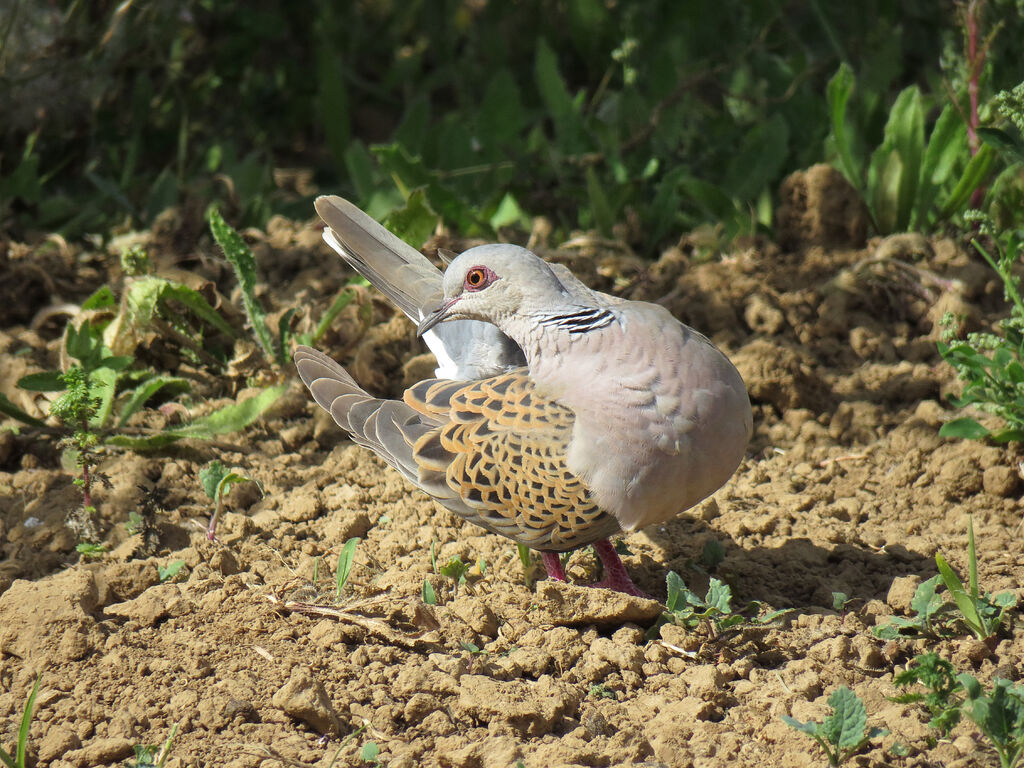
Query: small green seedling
[(690, 611), (170, 571), (20, 757), (844, 732), (153, 755), (345, 561), (88, 550), (526, 559), (600, 691), (983, 614), (999, 713), (217, 481), (455, 570), (427, 593), (369, 753), (927, 607), (712, 554), (840, 600), (944, 691)]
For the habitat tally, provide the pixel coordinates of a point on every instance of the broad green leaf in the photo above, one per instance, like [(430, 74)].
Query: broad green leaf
[(946, 145), (848, 719), (809, 728), (925, 602), (906, 124), (675, 589), (501, 116), (44, 381), (965, 428), (1008, 145), (345, 560), (10, 409), (719, 596), (103, 386), (759, 159), (102, 298), (359, 165), (210, 477), (195, 302), (414, 223)]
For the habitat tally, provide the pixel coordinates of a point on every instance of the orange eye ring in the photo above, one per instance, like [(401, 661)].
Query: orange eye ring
[(478, 278)]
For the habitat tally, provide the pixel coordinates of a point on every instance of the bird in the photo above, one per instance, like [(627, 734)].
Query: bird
[(558, 416)]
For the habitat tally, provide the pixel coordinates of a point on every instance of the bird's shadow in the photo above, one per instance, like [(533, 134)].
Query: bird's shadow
[(795, 574)]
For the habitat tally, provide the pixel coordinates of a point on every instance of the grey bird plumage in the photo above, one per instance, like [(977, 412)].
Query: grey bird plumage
[(559, 416)]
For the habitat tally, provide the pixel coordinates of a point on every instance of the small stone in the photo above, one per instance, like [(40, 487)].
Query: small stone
[(1001, 481), (901, 592), (101, 752), (56, 743), (304, 698), (419, 706)]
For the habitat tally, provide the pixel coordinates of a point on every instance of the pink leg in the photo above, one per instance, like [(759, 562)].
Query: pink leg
[(615, 576), (553, 565)]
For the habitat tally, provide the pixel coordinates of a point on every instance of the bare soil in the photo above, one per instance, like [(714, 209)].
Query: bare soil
[(846, 487)]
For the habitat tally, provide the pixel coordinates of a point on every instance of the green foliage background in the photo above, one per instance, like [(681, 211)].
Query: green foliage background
[(657, 113)]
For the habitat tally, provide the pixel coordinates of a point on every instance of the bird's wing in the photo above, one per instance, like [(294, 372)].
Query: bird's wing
[(499, 459)]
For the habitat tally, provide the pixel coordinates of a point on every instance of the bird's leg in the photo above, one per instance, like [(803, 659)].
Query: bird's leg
[(615, 576), (553, 565)]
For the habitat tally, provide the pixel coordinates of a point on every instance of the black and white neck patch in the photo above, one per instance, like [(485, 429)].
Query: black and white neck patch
[(580, 320)]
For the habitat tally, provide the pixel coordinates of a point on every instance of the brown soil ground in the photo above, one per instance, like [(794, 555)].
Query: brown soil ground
[(846, 487)]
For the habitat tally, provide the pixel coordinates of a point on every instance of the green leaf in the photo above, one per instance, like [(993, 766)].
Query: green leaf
[(345, 561), (965, 428), (45, 381), (241, 258), (906, 123), (946, 145), (102, 298), (230, 418), (170, 571), (369, 752), (676, 588), (925, 602), (416, 222), (808, 728), (210, 477), (147, 390), (332, 95), (601, 210), (845, 726), (759, 159), (103, 386), (1009, 146), (840, 87), (427, 593), (973, 176), (719, 596), (10, 409)]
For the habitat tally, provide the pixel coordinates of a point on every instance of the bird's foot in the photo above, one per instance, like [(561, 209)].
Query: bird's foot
[(616, 576), (553, 565)]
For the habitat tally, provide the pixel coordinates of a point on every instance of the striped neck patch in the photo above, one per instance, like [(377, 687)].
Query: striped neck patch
[(580, 320)]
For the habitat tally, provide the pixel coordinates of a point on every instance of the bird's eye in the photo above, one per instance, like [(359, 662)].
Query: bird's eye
[(479, 278)]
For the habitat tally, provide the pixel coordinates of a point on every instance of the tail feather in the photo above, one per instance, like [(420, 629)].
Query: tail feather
[(387, 427)]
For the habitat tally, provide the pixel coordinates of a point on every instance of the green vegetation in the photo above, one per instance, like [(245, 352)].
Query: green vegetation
[(644, 118), (983, 614), (20, 757), (169, 571), (345, 561), (844, 732), (154, 755), (217, 482), (998, 712), (713, 612)]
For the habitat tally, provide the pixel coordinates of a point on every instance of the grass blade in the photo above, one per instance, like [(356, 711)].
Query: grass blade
[(345, 560), (840, 87), (10, 409)]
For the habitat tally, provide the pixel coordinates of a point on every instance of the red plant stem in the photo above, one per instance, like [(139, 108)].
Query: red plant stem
[(86, 480), (975, 63)]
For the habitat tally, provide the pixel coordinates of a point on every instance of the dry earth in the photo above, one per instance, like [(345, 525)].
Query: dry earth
[(847, 487)]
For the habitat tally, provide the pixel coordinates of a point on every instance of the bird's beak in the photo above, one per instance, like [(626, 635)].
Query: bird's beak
[(439, 315)]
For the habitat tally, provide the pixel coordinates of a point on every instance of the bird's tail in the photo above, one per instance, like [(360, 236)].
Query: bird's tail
[(389, 428)]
